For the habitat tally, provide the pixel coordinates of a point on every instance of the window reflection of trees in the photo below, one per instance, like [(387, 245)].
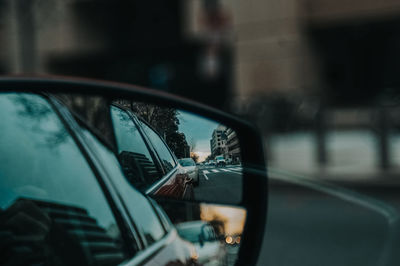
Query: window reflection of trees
[(138, 167), (38, 117), (93, 109), (164, 120)]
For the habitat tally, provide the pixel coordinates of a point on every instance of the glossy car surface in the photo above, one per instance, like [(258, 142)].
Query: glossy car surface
[(64, 199), (146, 159), (191, 169), (211, 251)]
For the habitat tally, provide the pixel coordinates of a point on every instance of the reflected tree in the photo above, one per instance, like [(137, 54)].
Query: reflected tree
[(36, 114), (165, 121)]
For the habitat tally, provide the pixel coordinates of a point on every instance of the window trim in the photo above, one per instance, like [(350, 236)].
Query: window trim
[(147, 254), (131, 214), (165, 221), (153, 188), (128, 231), (162, 140), (78, 117), (153, 152), (150, 148)]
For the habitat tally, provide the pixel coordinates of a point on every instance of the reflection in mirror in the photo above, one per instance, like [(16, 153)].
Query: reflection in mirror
[(57, 153), (163, 151), (214, 230), (173, 153)]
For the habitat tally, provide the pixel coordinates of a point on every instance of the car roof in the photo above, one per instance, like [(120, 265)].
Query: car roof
[(191, 224)]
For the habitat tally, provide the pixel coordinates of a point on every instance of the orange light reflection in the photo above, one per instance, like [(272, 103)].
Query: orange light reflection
[(232, 217)]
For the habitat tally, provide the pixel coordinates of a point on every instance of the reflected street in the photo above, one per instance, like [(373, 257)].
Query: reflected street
[(219, 184)]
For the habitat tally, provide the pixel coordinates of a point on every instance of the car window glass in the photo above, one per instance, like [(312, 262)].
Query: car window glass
[(162, 150), (135, 158), (52, 209), (139, 207)]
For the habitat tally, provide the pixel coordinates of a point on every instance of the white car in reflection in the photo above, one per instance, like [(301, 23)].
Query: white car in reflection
[(191, 169), (210, 250)]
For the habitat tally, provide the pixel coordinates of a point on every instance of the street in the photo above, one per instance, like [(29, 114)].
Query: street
[(309, 225), (220, 184)]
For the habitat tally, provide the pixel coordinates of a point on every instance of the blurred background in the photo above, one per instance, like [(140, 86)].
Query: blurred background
[(318, 77)]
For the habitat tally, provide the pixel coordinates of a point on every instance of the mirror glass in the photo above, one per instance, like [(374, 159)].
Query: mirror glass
[(168, 152), (163, 151), (59, 166)]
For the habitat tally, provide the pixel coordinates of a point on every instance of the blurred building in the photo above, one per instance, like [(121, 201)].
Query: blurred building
[(218, 141), (139, 42), (343, 50), (203, 49)]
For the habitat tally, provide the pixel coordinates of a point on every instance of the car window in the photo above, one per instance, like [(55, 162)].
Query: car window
[(139, 207), (52, 208), (161, 148), (134, 156)]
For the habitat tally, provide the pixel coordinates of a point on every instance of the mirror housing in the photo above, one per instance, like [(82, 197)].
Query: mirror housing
[(254, 185)]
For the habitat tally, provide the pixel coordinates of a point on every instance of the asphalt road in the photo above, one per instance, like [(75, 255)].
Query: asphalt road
[(219, 184), (306, 226)]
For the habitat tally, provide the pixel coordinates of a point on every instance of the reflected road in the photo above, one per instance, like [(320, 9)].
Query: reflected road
[(219, 184)]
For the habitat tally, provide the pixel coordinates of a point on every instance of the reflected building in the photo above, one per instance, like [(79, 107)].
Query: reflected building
[(342, 50), (218, 141), (232, 145), (224, 141)]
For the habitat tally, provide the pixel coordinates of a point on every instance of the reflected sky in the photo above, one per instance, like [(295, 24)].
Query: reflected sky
[(40, 160), (198, 129)]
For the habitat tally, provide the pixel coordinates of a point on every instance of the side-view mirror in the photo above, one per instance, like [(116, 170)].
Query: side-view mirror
[(168, 148), (165, 144)]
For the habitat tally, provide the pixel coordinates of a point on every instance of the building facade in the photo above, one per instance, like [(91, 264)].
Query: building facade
[(233, 146), (218, 141)]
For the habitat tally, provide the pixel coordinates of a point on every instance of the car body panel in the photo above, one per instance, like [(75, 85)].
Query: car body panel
[(174, 183), (211, 251), (191, 169)]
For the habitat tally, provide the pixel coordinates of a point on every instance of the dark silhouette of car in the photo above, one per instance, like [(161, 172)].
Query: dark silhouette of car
[(191, 168)]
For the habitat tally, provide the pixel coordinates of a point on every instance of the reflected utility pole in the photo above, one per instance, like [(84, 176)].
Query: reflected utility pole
[(23, 40), (383, 138), (320, 130)]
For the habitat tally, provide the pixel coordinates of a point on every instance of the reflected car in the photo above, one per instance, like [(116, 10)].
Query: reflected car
[(210, 249), (220, 160), (64, 199), (146, 159), (191, 169)]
